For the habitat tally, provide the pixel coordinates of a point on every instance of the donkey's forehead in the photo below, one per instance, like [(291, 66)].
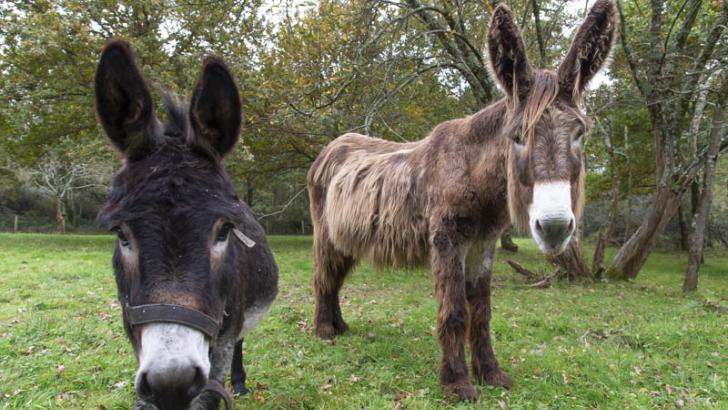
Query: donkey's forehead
[(176, 169), (568, 115), (170, 187), (162, 215)]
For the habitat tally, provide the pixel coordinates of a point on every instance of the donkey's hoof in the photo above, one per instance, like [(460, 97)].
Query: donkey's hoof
[(340, 326), (464, 391), (497, 378), (329, 330), (325, 331), (239, 388)]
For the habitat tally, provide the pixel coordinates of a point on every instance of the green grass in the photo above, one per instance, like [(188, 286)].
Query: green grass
[(626, 345)]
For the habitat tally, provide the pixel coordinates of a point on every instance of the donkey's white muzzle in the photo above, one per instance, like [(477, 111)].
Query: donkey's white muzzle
[(173, 364), (551, 218)]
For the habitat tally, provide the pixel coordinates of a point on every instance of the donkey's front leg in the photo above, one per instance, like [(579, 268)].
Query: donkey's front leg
[(220, 361), (479, 270), (447, 266), (237, 370)]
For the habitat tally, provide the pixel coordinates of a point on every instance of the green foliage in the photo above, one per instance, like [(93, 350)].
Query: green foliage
[(618, 110), (627, 345)]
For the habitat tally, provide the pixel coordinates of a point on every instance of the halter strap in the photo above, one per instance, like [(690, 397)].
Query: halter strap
[(162, 312), (216, 387)]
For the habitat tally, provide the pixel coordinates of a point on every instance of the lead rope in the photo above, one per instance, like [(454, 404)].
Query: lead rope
[(216, 387)]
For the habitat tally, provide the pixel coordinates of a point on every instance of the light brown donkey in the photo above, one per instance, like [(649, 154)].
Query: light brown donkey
[(446, 199)]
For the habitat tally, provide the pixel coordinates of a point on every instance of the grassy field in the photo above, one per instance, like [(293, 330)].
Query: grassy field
[(633, 345)]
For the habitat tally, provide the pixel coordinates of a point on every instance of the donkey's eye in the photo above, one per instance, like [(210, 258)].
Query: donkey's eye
[(518, 139), (223, 233), (123, 240)]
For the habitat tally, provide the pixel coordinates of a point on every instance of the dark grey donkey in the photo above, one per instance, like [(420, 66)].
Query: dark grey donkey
[(193, 269)]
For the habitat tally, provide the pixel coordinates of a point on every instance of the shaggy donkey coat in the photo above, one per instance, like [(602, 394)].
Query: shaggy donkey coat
[(445, 199), (176, 212)]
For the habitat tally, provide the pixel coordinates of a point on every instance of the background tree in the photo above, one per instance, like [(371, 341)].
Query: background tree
[(57, 180), (669, 70)]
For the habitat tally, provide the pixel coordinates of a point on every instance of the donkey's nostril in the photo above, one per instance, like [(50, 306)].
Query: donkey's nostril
[(173, 386), (144, 390), (554, 231), (198, 383)]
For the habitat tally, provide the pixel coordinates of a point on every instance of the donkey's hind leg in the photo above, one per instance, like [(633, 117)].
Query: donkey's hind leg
[(237, 370), (330, 270), (479, 270)]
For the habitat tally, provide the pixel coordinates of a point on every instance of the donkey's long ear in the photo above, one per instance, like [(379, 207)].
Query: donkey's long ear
[(508, 60), (590, 50), (123, 102), (215, 110)]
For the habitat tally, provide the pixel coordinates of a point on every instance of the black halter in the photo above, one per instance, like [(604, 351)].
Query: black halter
[(162, 312), (166, 313)]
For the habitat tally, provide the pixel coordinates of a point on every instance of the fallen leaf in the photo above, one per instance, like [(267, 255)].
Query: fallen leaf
[(401, 396), (302, 325), (501, 404), (680, 404)]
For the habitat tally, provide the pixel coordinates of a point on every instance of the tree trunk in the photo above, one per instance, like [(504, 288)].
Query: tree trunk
[(60, 220), (506, 240), (684, 240), (703, 206), (572, 263), (633, 254), (606, 232), (628, 193), (690, 282), (249, 191)]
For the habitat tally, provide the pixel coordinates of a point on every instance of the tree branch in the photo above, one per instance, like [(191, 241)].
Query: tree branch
[(641, 85)]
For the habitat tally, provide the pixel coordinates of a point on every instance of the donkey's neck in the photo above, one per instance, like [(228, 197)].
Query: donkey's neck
[(484, 127), (484, 152), (486, 145)]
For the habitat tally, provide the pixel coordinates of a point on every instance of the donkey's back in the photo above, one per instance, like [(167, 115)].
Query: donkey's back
[(367, 199)]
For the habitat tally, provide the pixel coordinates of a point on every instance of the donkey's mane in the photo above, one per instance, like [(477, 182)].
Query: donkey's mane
[(178, 123), (524, 115)]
